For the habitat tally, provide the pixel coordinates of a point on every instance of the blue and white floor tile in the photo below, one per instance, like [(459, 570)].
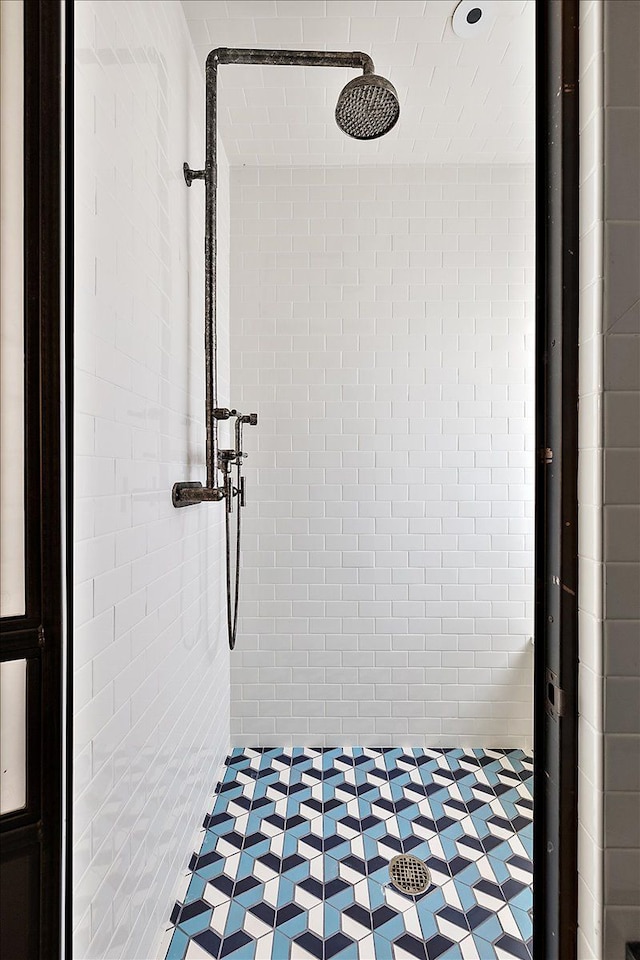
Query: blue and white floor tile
[(294, 862)]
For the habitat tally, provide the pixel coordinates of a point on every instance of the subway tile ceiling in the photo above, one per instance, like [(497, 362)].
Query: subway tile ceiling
[(462, 101)]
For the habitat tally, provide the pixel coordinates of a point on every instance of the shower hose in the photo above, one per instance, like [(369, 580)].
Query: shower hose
[(232, 597)]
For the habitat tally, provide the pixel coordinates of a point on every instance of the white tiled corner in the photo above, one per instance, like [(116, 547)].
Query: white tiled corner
[(151, 687)]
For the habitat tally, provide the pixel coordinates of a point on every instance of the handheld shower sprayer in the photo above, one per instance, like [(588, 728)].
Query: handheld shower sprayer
[(227, 460), (367, 108)]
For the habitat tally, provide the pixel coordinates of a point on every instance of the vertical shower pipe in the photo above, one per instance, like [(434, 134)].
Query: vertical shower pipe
[(188, 492), (210, 264)]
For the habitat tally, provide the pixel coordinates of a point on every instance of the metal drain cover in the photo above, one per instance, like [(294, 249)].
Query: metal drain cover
[(409, 874)]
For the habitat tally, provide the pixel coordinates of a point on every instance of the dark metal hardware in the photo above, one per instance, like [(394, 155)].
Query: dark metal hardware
[(228, 486), (291, 58), (252, 419), (185, 493), (188, 492), (554, 703), (191, 175)]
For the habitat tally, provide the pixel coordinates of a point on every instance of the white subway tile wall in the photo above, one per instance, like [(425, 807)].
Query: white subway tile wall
[(151, 687), (382, 326)]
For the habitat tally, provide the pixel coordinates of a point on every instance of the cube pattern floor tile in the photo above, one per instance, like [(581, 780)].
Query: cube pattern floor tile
[(294, 861)]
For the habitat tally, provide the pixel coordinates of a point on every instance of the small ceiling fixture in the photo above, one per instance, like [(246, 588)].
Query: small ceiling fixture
[(472, 18)]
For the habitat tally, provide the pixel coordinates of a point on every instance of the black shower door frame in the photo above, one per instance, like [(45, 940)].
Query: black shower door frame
[(32, 889), (555, 822)]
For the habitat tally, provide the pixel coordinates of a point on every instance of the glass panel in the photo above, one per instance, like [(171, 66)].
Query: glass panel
[(12, 555), (13, 735)]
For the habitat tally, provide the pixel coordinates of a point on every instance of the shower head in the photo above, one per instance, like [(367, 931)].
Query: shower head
[(368, 107)]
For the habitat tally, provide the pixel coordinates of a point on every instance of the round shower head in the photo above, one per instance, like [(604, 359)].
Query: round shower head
[(368, 107)]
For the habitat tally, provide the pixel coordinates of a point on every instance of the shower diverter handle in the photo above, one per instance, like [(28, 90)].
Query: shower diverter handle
[(223, 413)]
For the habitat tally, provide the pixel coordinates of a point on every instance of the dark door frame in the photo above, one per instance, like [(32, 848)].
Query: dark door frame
[(555, 888), (31, 858)]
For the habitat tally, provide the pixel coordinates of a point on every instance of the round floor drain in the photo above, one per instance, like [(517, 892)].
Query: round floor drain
[(409, 874)]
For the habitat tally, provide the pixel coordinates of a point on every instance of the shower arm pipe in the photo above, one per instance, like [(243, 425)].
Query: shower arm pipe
[(186, 493), (290, 58)]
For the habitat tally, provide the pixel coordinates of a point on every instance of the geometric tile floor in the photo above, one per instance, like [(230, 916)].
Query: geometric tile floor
[(294, 859)]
